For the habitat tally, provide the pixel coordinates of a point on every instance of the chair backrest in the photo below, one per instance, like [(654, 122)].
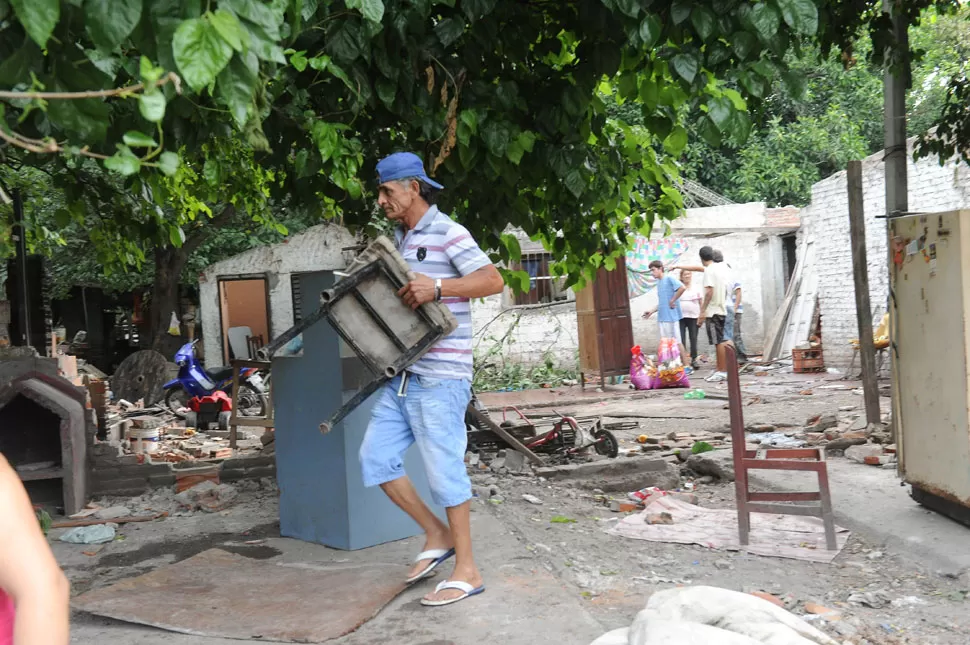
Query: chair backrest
[(735, 403)]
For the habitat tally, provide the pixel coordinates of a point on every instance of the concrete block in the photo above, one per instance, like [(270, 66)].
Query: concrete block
[(719, 463), (616, 475)]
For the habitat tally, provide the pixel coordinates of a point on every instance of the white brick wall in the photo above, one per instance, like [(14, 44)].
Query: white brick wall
[(932, 188), (521, 335)]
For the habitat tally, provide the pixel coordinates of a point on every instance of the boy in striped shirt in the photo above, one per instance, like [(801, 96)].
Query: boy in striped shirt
[(449, 267)]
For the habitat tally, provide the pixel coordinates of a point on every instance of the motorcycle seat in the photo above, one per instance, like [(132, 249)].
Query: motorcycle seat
[(220, 373)]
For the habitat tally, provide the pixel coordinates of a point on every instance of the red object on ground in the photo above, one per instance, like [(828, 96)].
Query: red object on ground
[(216, 397)]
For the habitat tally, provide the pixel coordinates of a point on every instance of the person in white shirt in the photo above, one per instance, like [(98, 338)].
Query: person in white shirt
[(690, 307)]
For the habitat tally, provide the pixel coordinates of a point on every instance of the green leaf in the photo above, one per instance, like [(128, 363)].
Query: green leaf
[(176, 236), (515, 152), (629, 7), (704, 21), (39, 17), (386, 91), (701, 446), (236, 85), (168, 163), (575, 182), (765, 19), (686, 66), (449, 30), (475, 9), (719, 111), (801, 15), (152, 106), (649, 93), (736, 99), (110, 22), (200, 52), (744, 44), (17, 67), (527, 140), (230, 29), (753, 83), (512, 245), (650, 30), (496, 135), (559, 519), (470, 118), (123, 162), (372, 10), (264, 47), (680, 11), (741, 128), (795, 83), (136, 139), (266, 15), (676, 141), (709, 132), (299, 60)]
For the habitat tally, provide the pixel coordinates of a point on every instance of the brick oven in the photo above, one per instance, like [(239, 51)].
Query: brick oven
[(44, 428)]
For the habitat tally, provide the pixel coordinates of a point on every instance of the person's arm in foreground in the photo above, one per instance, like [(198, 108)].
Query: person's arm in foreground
[(737, 297), (486, 281), (28, 571)]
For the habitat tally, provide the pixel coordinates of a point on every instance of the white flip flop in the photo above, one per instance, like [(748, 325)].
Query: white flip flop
[(437, 556), (466, 589)]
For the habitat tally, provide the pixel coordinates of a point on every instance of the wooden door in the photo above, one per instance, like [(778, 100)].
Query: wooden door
[(614, 324)]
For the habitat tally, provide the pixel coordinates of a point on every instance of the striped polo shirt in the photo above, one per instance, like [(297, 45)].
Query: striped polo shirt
[(439, 247)]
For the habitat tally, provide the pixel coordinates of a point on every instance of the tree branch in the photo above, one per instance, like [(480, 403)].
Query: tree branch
[(171, 77), (194, 241)]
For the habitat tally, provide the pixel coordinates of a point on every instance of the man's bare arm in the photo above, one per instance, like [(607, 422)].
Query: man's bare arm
[(486, 281), (708, 294), (28, 570)]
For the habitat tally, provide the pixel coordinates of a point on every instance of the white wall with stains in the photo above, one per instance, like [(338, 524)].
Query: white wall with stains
[(316, 249)]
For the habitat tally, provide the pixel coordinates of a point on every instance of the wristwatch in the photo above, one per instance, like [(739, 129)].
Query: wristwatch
[(437, 290)]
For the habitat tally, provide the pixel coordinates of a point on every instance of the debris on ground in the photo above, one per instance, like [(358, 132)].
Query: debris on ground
[(95, 534), (714, 616), (208, 497)]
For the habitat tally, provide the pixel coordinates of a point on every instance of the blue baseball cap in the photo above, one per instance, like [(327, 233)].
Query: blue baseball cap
[(402, 165)]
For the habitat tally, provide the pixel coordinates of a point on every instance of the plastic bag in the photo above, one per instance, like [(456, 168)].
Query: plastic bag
[(173, 326), (640, 367), (669, 371)]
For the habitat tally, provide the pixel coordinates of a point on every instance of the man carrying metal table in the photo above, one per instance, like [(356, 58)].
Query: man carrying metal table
[(426, 405)]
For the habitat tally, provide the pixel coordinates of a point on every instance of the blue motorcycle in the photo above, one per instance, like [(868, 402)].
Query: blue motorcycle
[(195, 380)]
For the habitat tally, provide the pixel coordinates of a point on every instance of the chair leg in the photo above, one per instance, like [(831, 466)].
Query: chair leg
[(828, 517), (744, 521)]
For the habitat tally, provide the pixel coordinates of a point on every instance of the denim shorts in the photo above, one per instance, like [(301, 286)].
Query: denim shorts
[(432, 415), (729, 325)]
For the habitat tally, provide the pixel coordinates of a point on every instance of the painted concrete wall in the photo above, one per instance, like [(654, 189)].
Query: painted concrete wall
[(932, 188), (509, 333), (316, 249)]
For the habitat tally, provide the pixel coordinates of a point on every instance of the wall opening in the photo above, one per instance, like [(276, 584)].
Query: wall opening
[(244, 314), (788, 252)]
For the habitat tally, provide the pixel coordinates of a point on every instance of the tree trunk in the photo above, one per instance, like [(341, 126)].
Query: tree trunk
[(169, 263)]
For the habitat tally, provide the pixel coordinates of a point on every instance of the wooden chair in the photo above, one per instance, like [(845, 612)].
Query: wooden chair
[(804, 459)]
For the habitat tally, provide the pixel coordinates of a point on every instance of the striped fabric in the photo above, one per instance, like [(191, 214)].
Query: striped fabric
[(439, 247)]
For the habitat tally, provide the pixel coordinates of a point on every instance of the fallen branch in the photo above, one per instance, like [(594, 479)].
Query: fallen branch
[(67, 524)]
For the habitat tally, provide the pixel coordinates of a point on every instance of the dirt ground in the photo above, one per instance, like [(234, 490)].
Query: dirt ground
[(612, 577), (914, 602)]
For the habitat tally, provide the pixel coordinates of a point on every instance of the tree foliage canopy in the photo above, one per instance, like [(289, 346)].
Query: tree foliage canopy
[(197, 107)]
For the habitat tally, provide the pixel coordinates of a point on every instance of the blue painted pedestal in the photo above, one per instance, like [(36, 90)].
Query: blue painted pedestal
[(322, 495)]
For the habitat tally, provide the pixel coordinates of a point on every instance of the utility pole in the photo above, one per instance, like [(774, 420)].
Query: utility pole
[(860, 274), (20, 301), (897, 183)]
